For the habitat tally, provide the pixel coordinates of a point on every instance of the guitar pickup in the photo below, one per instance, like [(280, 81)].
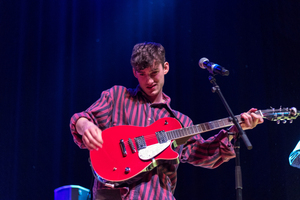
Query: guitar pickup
[(140, 142), (123, 149), (161, 137)]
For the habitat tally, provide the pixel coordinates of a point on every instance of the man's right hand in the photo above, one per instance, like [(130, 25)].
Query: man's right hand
[(91, 134)]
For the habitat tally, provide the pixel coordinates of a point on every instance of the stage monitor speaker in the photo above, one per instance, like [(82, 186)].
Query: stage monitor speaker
[(71, 192)]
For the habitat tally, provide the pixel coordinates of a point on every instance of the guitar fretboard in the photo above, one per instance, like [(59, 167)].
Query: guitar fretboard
[(200, 128)]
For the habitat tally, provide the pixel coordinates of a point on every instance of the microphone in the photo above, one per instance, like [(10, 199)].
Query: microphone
[(213, 68)]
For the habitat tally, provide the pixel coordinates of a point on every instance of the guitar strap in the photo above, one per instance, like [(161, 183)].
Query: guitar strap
[(172, 114)]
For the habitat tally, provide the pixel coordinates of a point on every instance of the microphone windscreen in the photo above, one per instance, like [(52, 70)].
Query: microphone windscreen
[(201, 61)]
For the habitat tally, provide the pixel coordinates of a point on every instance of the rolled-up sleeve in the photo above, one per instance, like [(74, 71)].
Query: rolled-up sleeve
[(209, 153), (99, 113)]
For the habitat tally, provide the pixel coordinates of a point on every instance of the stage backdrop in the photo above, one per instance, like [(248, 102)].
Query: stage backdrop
[(57, 56)]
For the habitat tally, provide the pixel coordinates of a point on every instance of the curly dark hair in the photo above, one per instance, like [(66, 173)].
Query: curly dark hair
[(145, 54)]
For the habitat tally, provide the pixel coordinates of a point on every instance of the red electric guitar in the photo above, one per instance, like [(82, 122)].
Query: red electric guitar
[(128, 151)]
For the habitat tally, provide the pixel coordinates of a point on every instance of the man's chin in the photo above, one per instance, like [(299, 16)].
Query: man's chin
[(152, 94)]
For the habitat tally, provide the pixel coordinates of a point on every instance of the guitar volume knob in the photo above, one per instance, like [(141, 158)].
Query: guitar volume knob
[(127, 170)]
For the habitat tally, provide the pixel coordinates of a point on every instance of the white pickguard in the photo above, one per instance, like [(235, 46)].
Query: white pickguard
[(153, 150)]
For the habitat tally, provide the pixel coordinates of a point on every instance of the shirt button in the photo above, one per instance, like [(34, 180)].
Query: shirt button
[(149, 119)]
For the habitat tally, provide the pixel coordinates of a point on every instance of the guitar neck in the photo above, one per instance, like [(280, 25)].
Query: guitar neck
[(201, 128), (282, 114)]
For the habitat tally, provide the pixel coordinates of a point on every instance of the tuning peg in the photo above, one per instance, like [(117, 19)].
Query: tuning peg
[(291, 121), (278, 121), (284, 121), (293, 111)]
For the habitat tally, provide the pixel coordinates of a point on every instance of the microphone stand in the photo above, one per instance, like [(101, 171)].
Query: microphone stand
[(241, 133)]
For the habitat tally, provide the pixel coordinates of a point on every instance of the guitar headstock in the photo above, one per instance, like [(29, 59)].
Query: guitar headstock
[(281, 114)]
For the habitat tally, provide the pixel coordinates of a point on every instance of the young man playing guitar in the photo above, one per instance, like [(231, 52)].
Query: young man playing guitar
[(141, 107)]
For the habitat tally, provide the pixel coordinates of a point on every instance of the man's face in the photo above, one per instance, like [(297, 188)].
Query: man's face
[(152, 80)]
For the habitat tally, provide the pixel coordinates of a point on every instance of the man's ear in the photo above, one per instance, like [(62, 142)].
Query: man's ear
[(134, 72), (166, 68)]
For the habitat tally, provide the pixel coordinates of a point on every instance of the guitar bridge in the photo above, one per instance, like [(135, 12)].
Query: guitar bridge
[(131, 145)]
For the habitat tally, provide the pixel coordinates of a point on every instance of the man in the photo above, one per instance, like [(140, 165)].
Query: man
[(142, 107)]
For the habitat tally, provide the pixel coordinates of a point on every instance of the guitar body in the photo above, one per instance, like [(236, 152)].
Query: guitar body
[(111, 166)]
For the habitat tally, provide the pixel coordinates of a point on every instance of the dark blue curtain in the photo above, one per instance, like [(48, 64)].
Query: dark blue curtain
[(57, 56)]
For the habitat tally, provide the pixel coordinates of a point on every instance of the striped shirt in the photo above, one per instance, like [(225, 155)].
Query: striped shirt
[(121, 106)]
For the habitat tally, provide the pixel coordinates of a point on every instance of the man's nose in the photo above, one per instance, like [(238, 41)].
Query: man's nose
[(150, 80)]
